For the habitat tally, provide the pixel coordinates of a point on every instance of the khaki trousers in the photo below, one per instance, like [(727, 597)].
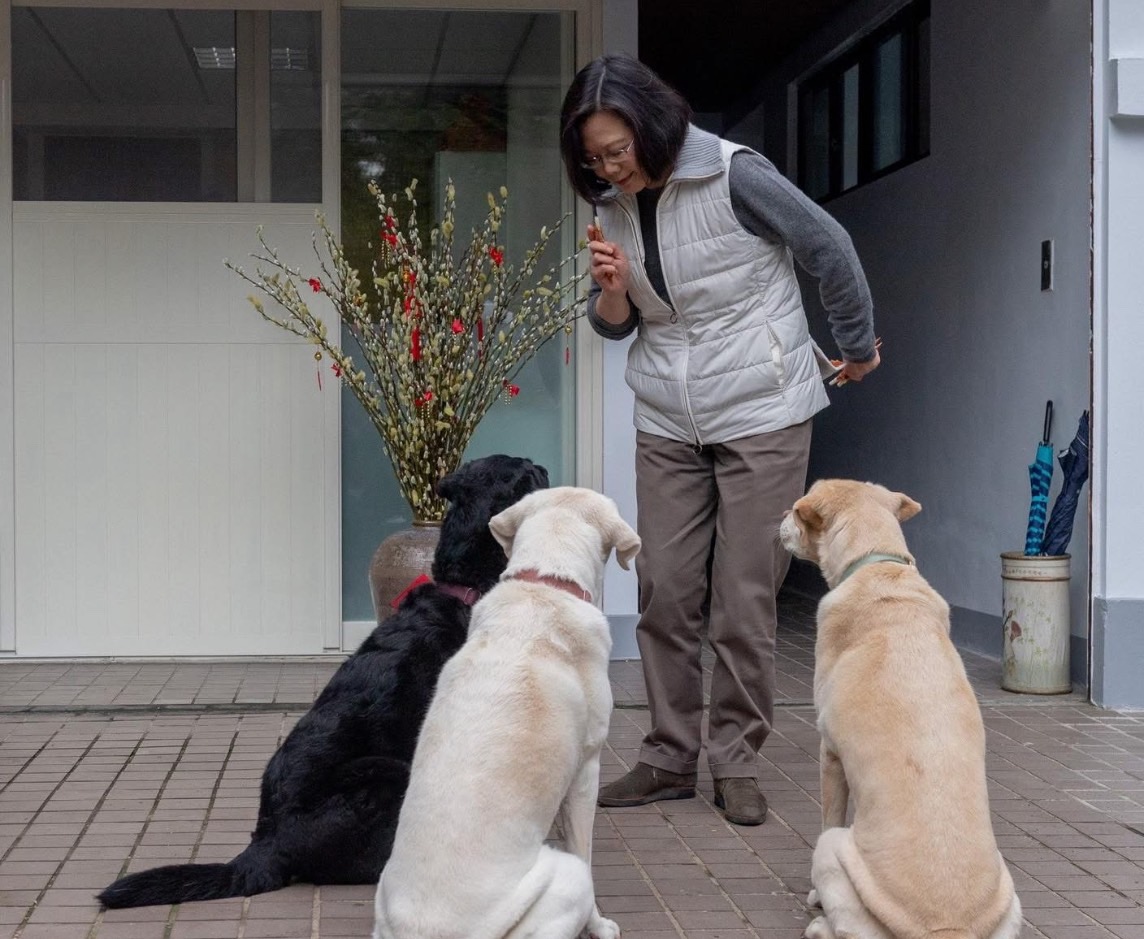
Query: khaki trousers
[(722, 502)]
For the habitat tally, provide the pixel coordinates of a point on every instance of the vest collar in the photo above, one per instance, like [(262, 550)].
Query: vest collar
[(700, 156), (872, 558), (551, 580)]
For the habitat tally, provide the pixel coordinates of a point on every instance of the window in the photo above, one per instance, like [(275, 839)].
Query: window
[(153, 105), (474, 96), (866, 112)]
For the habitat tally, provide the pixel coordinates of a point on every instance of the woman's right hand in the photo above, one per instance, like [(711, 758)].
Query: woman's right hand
[(609, 264)]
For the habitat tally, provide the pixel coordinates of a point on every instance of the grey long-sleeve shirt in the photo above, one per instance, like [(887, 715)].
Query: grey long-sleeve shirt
[(770, 206)]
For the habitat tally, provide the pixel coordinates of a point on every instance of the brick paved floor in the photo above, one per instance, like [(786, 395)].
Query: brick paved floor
[(106, 768)]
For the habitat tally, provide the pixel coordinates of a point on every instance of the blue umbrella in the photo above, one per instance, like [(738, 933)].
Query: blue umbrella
[(1074, 465), (1040, 478)]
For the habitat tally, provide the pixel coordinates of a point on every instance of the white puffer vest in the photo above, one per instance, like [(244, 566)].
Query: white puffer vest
[(734, 358)]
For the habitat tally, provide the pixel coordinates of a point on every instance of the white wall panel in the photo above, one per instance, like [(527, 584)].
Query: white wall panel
[(172, 479)]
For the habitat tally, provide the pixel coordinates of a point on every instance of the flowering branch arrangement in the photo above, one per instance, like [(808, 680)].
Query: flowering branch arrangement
[(442, 336)]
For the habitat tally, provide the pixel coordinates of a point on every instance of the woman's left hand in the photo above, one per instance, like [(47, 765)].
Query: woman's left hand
[(856, 371)]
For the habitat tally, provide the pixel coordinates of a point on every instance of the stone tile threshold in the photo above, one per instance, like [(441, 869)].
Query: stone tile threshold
[(86, 798), (110, 767)]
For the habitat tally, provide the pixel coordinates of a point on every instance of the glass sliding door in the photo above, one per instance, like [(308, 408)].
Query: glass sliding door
[(473, 96)]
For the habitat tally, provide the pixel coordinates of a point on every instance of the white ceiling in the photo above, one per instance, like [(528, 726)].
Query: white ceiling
[(72, 57)]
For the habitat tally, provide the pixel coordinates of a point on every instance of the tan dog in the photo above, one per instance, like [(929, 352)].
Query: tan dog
[(512, 739), (902, 737)]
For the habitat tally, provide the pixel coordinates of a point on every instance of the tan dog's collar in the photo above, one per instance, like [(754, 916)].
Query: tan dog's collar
[(872, 558), (560, 583)]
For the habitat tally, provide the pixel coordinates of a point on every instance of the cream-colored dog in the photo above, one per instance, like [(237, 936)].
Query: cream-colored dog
[(512, 741), (902, 737)]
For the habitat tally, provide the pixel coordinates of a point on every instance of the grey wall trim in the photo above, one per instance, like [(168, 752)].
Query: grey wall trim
[(804, 577), (975, 631), (1118, 653), (1078, 661), (981, 633), (624, 636)]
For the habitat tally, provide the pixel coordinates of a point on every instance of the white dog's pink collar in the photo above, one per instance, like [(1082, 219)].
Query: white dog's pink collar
[(560, 583)]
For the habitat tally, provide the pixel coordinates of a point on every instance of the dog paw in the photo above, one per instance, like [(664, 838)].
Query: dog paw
[(812, 899), (600, 928), (819, 928)]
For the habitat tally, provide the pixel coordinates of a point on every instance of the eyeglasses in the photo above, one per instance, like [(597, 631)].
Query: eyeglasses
[(612, 156)]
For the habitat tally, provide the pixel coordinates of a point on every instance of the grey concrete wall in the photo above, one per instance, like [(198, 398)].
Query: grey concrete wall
[(951, 246)]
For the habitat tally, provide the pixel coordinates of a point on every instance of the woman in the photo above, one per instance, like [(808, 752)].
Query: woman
[(694, 250)]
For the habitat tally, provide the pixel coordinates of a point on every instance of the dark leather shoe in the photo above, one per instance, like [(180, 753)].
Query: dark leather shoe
[(741, 801), (645, 784)]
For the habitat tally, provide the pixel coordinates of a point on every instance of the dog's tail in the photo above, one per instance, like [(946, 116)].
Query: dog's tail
[(250, 873), (1003, 904)]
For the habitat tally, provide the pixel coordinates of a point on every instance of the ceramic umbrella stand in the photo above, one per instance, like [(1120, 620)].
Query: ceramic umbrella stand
[(1035, 623)]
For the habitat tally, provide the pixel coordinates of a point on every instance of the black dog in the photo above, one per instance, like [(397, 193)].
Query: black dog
[(332, 791)]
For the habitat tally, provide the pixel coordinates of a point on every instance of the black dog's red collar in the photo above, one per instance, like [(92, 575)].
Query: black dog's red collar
[(467, 595)]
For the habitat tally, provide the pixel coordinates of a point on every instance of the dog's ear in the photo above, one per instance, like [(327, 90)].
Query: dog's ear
[(449, 487), (805, 509), (907, 507), (511, 475), (624, 539), (603, 513), (899, 503), (504, 524), (532, 476)]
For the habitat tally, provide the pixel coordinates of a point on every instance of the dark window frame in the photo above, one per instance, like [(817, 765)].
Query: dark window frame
[(907, 23)]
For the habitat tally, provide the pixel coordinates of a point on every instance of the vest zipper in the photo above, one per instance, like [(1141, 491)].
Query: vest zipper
[(637, 241), (682, 323)]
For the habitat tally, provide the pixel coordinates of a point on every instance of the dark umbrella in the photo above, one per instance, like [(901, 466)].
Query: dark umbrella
[(1074, 465), (1040, 478)]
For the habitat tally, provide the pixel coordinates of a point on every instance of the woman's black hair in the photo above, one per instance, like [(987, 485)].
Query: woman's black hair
[(657, 114)]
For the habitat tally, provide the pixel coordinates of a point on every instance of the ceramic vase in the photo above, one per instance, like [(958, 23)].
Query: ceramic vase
[(398, 561)]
